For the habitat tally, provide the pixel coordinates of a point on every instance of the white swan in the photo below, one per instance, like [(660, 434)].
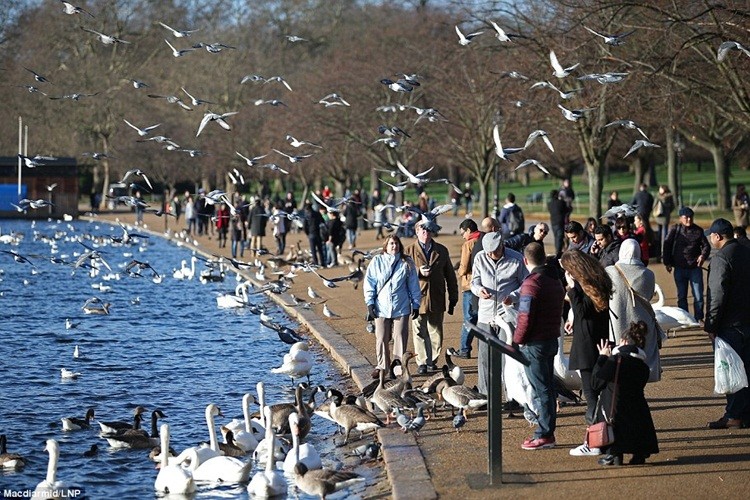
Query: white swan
[(185, 272), (517, 385), (257, 424), (297, 363), (670, 317), (245, 437), (269, 482), (305, 453), (237, 299), (172, 479), (51, 487)]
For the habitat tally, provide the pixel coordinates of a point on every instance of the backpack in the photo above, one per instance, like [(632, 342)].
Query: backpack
[(516, 222)]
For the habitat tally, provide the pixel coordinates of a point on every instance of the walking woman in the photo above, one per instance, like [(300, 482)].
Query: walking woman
[(392, 294), (589, 291), (633, 426)]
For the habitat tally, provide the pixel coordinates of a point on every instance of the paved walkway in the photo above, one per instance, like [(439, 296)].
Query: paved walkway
[(693, 462)]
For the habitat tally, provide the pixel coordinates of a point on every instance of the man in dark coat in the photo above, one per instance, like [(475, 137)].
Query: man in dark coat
[(606, 245), (558, 215), (311, 226), (538, 326), (727, 314), (643, 202)]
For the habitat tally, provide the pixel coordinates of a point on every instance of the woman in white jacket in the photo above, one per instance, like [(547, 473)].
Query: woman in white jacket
[(392, 294)]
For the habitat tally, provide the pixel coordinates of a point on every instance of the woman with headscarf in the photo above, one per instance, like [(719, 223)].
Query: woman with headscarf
[(589, 290), (633, 286)]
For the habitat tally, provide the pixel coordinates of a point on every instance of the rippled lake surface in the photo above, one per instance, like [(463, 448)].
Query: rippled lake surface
[(163, 346)]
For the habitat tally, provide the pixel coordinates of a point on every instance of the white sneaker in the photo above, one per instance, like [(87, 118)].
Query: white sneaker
[(585, 451)]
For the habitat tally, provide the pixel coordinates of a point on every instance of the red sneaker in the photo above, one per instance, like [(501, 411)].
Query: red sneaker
[(539, 443)]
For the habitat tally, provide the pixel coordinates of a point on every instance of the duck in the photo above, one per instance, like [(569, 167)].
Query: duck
[(185, 272), (229, 447), (115, 426), (322, 482), (269, 482), (91, 452), (305, 453), (76, 424), (9, 461), (237, 299), (353, 416), (172, 479), (386, 400), (137, 438), (51, 487), (297, 363), (670, 317)]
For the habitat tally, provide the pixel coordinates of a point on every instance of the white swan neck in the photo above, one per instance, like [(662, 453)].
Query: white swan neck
[(164, 445), (246, 412), (54, 456), (214, 443)]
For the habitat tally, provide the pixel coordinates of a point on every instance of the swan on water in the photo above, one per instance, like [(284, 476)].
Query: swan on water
[(237, 299), (172, 479), (185, 272), (269, 482), (51, 487), (305, 453)]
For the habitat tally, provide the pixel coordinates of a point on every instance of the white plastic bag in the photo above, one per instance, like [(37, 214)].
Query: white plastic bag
[(729, 370)]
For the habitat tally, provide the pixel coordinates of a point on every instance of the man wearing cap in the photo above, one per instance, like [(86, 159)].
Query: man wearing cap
[(727, 314), (685, 250), (436, 275), (496, 277)]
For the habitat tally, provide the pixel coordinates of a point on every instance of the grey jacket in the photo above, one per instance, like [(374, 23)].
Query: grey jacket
[(501, 278)]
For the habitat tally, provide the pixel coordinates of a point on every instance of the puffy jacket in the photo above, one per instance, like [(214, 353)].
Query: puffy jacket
[(397, 297), (540, 306), (683, 245)]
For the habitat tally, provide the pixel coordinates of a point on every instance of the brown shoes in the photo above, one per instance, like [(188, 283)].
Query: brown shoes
[(725, 423)]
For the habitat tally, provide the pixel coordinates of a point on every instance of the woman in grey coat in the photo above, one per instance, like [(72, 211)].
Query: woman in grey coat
[(633, 286)]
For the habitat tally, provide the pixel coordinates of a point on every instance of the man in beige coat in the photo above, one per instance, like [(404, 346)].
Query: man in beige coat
[(436, 275)]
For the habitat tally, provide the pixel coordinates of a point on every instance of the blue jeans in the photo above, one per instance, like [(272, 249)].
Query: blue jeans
[(694, 277), (738, 404), (470, 309), (541, 355)]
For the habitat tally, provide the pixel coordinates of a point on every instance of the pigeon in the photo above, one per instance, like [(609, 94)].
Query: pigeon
[(312, 293), (640, 143), (178, 33), (725, 47), (559, 71), (531, 161), (459, 420), (143, 132), (210, 117), (466, 39), (416, 424), (368, 451), (613, 40), (499, 150), (392, 131), (105, 39), (627, 124), (397, 86)]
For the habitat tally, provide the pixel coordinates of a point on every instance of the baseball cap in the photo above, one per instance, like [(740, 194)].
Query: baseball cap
[(492, 241), (686, 212), (721, 226)]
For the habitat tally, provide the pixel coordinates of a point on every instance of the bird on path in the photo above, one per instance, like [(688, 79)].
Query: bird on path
[(328, 313), (312, 293)]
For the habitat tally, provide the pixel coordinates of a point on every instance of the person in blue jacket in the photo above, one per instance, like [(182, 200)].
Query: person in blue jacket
[(392, 294)]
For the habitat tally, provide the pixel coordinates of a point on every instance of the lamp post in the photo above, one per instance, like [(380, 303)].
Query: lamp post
[(679, 146), (496, 208)]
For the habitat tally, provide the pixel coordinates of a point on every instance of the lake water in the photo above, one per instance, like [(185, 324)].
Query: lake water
[(163, 346)]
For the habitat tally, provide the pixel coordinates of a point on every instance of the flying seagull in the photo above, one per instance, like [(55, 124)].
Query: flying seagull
[(105, 39), (195, 100), (535, 135), (278, 79), (531, 161), (627, 124), (251, 162), (71, 9), (499, 150), (560, 72), (211, 117), (143, 132), (414, 179), (138, 172), (297, 143), (613, 40), (178, 52), (295, 38), (466, 39), (563, 95), (640, 143), (39, 78), (500, 33), (178, 33), (725, 47)]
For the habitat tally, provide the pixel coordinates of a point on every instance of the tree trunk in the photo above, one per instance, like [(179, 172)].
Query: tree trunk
[(671, 162), (484, 199), (595, 189), (637, 166), (105, 167), (722, 177)]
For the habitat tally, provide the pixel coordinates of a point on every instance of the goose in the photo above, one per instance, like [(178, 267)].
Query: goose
[(387, 400), (51, 487), (76, 424), (269, 482), (353, 416), (137, 439), (670, 317), (9, 461), (370, 388), (455, 371), (297, 363), (185, 272), (461, 397), (229, 448), (237, 299), (244, 436), (322, 482), (115, 426), (305, 453), (280, 412), (172, 479)]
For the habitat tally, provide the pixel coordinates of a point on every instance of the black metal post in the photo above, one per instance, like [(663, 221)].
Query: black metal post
[(496, 208), (496, 349)]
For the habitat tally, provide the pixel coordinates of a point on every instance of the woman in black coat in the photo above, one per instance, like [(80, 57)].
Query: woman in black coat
[(633, 426), (589, 291)]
